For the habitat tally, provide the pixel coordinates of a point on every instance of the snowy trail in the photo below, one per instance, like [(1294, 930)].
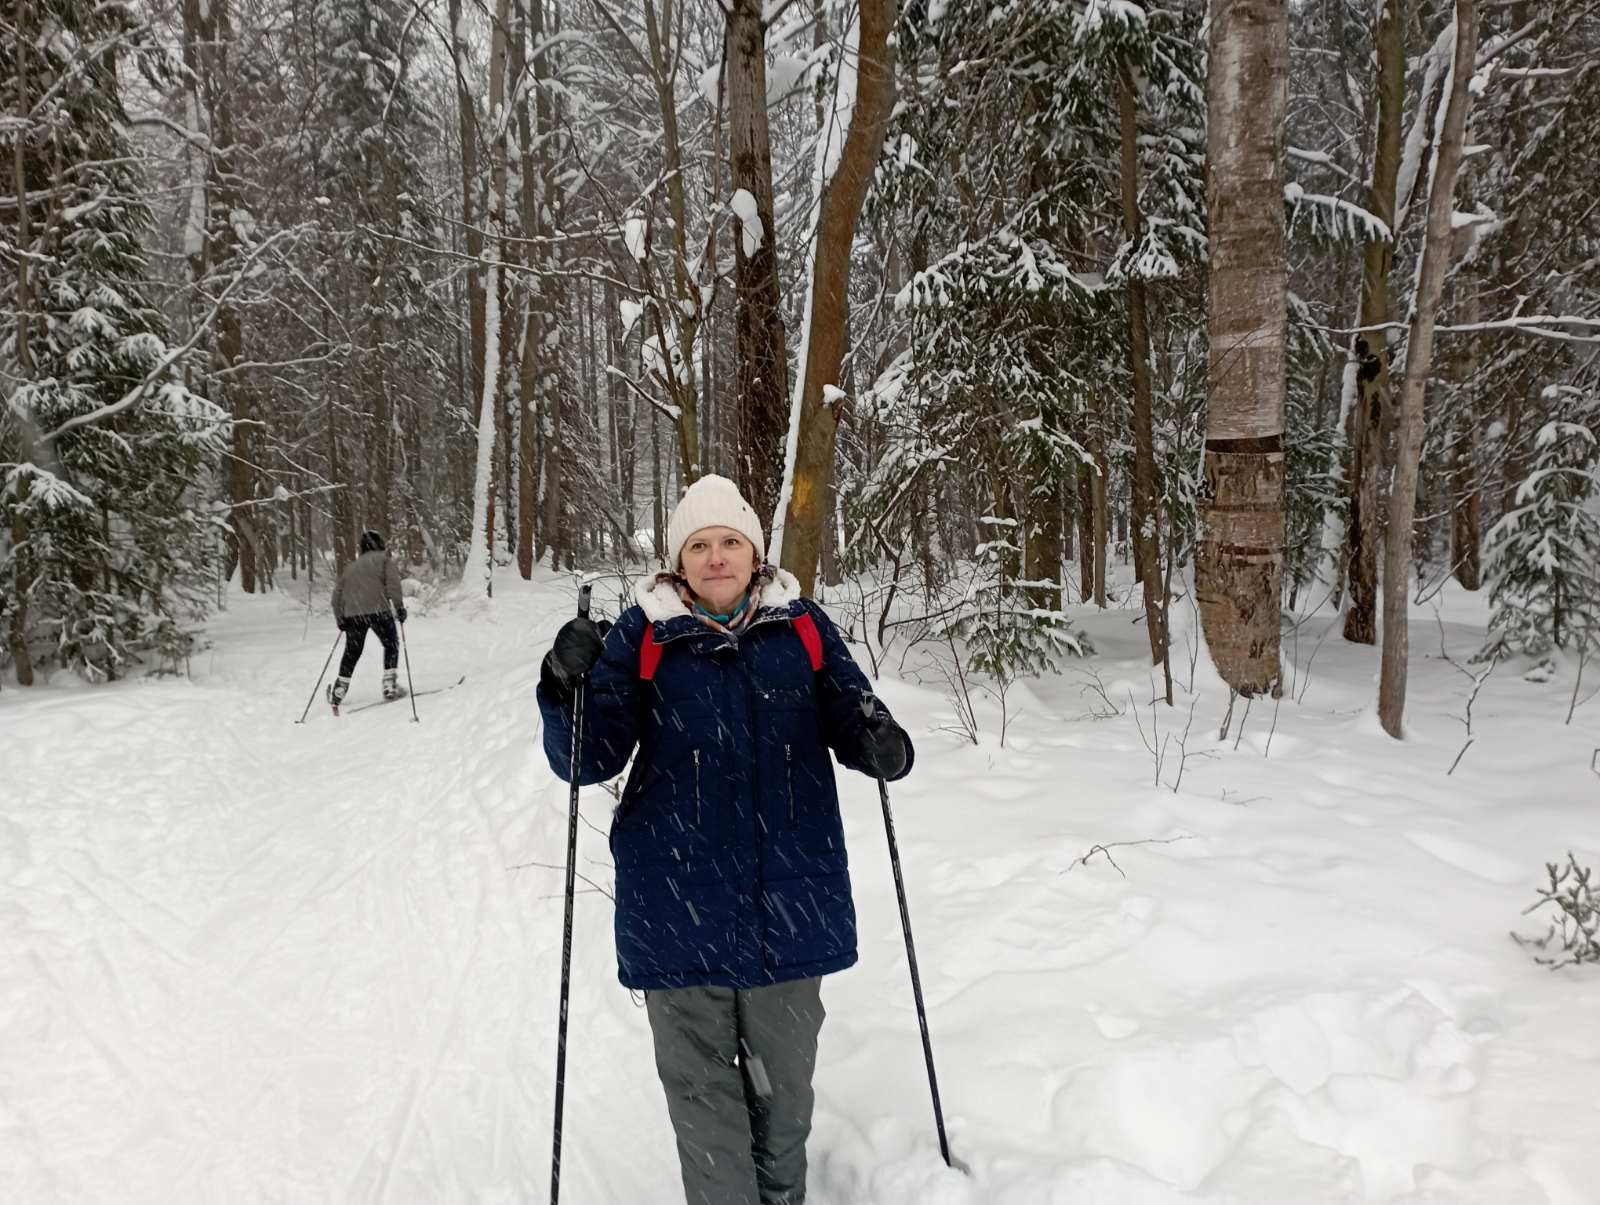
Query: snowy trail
[(247, 961)]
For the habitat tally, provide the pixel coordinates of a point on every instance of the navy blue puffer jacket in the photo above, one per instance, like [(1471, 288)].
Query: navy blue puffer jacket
[(729, 851)]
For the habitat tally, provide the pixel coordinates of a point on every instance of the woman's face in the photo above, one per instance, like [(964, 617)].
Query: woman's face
[(718, 563)]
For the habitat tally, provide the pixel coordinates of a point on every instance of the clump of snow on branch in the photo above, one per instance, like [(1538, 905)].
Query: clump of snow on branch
[(751, 230)]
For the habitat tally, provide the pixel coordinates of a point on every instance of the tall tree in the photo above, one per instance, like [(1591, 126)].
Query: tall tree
[(19, 551), (842, 175), (1239, 561), (212, 246), (1419, 362), (1370, 348), (537, 377), (467, 127), (479, 571), (103, 548), (676, 319), (1146, 480), (761, 390)]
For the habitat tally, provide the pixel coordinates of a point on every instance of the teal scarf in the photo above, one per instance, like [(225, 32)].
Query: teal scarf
[(731, 619)]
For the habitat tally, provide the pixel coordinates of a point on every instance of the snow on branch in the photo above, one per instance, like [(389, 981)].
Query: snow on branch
[(1320, 159), (1158, 255), (46, 490), (138, 392), (1332, 218), (1532, 324), (1002, 261)]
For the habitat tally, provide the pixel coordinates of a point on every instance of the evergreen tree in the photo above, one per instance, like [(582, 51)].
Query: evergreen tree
[(364, 158), (103, 450), (1544, 553), (1017, 384)]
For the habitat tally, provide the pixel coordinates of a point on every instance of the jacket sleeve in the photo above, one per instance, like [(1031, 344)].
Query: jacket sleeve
[(610, 709), (391, 582), (840, 686)]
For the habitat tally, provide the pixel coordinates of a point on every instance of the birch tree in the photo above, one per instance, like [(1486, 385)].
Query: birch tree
[(479, 570), (1239, 561)]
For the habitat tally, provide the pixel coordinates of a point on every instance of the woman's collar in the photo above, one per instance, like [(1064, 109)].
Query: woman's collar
[(657, 594)]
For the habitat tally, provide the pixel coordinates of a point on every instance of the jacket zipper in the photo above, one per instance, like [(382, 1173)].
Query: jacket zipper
[(788, 775), (697, 788)]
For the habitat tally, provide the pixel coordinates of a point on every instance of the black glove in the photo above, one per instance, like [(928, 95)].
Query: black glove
[(884, 747), (400, 614), (574, 653), (339, 623)]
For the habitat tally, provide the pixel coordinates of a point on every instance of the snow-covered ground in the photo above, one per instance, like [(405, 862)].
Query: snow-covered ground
[(247, 961)]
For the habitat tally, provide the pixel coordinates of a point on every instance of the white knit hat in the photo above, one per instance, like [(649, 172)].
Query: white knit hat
[(712, 502)]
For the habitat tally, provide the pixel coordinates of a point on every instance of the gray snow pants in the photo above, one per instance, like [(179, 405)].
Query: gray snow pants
[(737, 1066)]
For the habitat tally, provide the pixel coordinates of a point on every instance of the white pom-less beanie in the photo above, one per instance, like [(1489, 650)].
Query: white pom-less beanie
[(712, 502)]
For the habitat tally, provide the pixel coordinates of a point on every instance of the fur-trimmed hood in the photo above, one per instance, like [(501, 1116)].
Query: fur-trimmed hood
[(657, 594)]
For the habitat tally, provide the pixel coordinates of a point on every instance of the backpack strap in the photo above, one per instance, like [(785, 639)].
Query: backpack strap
[(649, 653), (805, 627)]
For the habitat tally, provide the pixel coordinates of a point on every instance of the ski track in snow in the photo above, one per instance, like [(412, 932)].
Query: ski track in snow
[(247, 961)]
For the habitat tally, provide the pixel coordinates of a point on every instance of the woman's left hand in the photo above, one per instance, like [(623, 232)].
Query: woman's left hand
[(882, 750)]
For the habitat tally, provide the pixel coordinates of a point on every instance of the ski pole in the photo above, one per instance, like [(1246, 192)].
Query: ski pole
[(566, 928), (869, 709), (320, 677), (411, 691)]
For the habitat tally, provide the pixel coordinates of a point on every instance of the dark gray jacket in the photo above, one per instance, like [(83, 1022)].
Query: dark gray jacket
[(367, 586)]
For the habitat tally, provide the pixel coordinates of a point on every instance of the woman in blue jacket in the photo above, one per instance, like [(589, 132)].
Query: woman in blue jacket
[(732, 884)]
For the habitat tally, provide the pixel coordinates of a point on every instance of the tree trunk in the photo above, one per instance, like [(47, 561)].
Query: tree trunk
[(381, 447), (1086, 557), (479, 569), (467, 125), (618, 400), (687, 304), (1101, 528), (1465, 492), (1466, 511), (762, 388), (22, 561), (1146, 482), (557, 538), (1419, 356), (207, 39), (1239, 562), (506, 424), (798, 533), (1042, 546), (530, 138), (530, 351), (343, 550), (1069, 520), (1371, 349), (658, 516)]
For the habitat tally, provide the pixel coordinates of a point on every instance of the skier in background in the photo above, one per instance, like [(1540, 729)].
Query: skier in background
[(732, 889), (367, 588)]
